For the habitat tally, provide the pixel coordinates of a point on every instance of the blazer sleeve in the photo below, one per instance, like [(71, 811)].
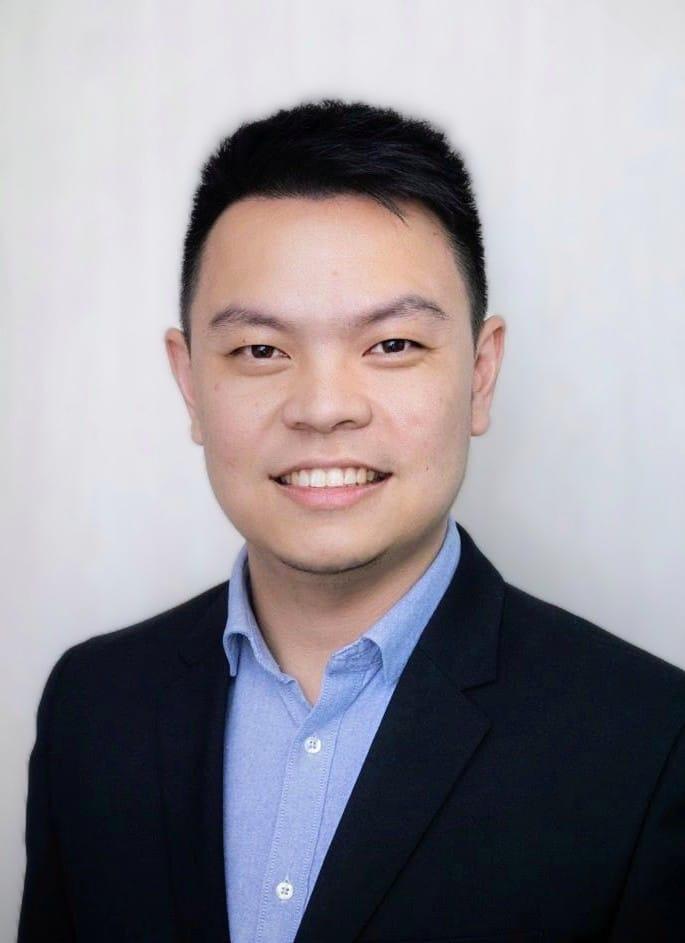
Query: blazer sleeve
[(652, 906), (44, 914)]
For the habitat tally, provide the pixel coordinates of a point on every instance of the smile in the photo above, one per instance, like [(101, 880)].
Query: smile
[(331, 496)]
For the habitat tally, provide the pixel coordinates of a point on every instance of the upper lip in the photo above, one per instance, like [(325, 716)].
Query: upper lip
[(327, 463)]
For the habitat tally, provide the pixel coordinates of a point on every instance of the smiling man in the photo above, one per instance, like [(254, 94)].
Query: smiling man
[(365, 733), (331, 343)]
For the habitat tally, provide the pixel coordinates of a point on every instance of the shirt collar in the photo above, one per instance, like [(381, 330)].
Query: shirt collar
[(395, 634)]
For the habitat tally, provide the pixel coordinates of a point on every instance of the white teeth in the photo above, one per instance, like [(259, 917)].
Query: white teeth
[(330, 477)]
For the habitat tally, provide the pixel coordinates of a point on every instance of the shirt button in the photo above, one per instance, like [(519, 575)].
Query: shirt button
[(312, 744), (284, 890)]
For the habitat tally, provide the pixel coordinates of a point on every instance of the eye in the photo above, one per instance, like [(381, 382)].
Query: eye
[(398, 340), (262, 350)]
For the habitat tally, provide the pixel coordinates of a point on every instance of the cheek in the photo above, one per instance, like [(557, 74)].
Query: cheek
[(230, 426), (435, 422)]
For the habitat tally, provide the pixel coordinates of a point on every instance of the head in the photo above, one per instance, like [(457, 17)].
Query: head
[(333, 303)]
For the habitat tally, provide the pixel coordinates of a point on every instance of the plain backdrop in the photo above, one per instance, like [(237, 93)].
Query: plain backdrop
[(570, 115)]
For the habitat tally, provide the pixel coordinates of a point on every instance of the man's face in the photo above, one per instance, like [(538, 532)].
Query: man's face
[(263, 400)]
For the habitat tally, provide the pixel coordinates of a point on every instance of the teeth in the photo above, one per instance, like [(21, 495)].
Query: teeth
[(330, 477)]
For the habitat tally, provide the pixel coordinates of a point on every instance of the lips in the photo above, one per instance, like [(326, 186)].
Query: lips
[(342, 463), (332, 498)]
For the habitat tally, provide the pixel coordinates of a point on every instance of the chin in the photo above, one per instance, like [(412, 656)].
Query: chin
[(327, 560)]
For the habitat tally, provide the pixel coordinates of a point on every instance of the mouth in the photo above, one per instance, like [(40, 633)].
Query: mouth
[(332, 497), (372, 477)]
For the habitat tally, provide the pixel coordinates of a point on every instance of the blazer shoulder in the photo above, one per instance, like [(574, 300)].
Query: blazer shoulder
[(575, 646), (164, 630)]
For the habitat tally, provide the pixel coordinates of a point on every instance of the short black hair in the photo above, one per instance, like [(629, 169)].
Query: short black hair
[(332, 147)]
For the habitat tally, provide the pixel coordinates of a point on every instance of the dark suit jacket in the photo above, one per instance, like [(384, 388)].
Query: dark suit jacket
[(527, 782)]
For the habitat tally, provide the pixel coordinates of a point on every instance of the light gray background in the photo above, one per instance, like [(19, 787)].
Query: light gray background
[(571, 116)]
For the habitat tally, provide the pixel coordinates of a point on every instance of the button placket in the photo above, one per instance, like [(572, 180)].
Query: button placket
[(287, 882), (299, 814)]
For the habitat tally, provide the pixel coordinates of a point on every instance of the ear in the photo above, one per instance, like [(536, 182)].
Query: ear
[(179, 360), (488, 358)]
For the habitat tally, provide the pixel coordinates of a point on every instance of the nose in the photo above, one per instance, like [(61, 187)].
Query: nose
[(325, 397)]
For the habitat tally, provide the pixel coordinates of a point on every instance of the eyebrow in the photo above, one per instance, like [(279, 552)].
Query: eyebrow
[(404, 306)]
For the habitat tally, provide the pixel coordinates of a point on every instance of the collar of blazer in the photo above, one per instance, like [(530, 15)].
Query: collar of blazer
[(428, 735)]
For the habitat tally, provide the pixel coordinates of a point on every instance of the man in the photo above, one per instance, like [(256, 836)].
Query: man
[(366, 733)]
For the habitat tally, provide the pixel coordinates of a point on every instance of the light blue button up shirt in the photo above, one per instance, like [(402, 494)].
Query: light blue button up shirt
[(289, 767)]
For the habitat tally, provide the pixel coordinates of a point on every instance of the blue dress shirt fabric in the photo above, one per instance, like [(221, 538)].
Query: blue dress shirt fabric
[(289, 766)]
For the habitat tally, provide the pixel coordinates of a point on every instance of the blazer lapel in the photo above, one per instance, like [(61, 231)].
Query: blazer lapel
[(191, 718), (428, 735)]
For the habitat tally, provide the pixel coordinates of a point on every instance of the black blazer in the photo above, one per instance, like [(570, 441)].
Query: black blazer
[(527, 782)]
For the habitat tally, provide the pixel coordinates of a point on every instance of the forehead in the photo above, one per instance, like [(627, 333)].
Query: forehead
[(333, 254)]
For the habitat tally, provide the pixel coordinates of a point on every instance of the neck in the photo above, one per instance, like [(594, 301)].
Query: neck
[(305, 617)]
